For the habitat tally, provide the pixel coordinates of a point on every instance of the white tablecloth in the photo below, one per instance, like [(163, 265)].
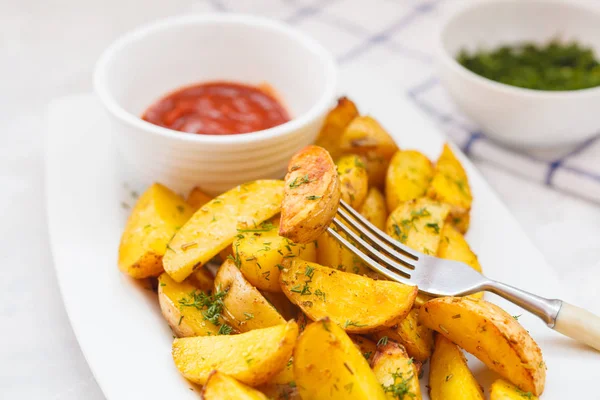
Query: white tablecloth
[(48, 50)]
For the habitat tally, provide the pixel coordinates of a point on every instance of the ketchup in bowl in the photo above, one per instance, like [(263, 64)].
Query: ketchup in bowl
[(217, 108)]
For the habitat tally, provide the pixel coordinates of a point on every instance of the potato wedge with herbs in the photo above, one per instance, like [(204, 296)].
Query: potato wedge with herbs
[(414, 336), (453, 246), (374, 208), (220, 386), (396, 372), (213, 227), (281, 303), (450, 185), (356, 303), (418, 223), (490, 334), (311, 195), (202, 279), (244, 307), (283, 385), (354, 181), (331, 253), (502, 390), (335, 123), (327, 365), (366, 346), (197, 198), (185, 308), (449, 374), (366, 137), (252, 357), (408, 177), (260, 252), (152, 223)]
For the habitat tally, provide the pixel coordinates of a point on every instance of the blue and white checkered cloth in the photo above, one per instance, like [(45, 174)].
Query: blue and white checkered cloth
[(395, 40)]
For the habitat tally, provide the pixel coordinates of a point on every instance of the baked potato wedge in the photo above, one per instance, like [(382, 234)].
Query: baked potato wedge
[(244, 307), (260, 252), (327, 365), (418, 224), (407, 178), (335, 123), (396, 372), (220, 386), (366, 137), (202, 278), (157, 215), (450, 185), (502, 390), (416, 338), (213, 227), (453, 246), (331, 253), (449, 374), (356, 303), (490, 334), (185, 316), (354, 181), (374, 208), (283, 385), (311, 195), (197, 198), (252, 357), (366, 346), (281, 303)]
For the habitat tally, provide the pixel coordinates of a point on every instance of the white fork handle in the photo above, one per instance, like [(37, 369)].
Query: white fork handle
[(578, 324)]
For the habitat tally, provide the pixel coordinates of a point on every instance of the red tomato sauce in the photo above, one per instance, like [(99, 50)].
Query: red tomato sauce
[(217, 108)]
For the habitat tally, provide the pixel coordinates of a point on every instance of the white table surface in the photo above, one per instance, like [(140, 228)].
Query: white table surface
[(48, 49)]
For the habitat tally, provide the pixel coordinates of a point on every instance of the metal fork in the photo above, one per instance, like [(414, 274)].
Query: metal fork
[(440, 277)]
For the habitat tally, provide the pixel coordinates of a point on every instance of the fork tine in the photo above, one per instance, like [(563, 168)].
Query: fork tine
[(402, 267), (372, 263), (375, 234)]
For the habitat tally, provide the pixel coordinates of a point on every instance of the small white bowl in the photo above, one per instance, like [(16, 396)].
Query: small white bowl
[(516, 116), (148, 63)]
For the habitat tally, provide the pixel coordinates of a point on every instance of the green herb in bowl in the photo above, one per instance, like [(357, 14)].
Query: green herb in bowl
[(555, 66)]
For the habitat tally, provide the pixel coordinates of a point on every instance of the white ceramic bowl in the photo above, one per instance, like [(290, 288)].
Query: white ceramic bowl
[(516, 116), (148, 63)]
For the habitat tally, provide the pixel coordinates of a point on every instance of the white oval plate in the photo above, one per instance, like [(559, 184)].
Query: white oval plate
[(117, 321)]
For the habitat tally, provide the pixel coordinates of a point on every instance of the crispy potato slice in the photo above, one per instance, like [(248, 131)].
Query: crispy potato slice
[(252, 357), (245, 308), (366, 346), (177, 305), (453, 246), (197, 198), (214, 225), (408, 177), (366, 137), (202, 279), (357, 303), (449, 374), (502, 390), (333, 254), (374, 208), (396, 372), (490, 334), (414, 336), (261, 251), (354, 181), (327, 365), (312, 195), (153, 221), (450, 185), (337, 120), (220, 386), (418, 223)]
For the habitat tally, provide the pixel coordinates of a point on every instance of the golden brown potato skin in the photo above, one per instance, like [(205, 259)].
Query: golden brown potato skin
[(374, 208), (328, 366), (502, 390), (337, 120), (392, 366), (311, 195), (354, 181), (366, 137), (414, 336), (449, 374), (221, 386), (407, 178), (357, 303), (490, 334)]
